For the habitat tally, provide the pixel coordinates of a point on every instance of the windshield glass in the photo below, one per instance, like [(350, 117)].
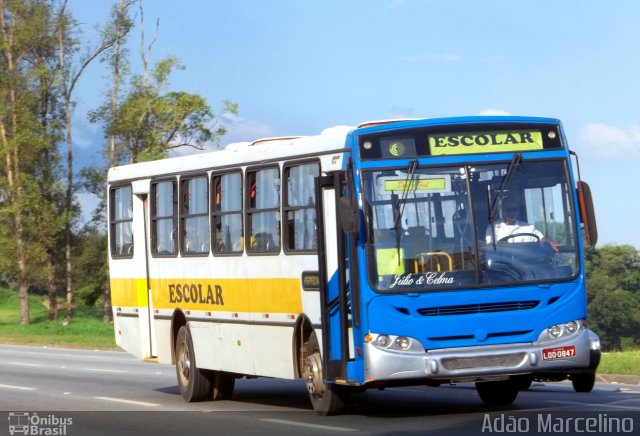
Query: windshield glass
[(469, 225)]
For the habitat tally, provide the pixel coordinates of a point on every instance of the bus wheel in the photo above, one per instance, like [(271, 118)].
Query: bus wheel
[(583, 382), (497, 393), (192, 381), (523, 382), (326, 398), (222, 384)]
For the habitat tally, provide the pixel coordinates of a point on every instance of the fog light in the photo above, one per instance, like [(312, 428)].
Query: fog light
[(383, 341), (571, 327), (403, 343), (555, 332)]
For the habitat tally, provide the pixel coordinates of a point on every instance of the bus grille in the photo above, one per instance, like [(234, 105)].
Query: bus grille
[(505, 360), (478, 308)]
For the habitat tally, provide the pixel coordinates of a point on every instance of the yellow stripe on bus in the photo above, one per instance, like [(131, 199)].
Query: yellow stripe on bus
[(227, 295)]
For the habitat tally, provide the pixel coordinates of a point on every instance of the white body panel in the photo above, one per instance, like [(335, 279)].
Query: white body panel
[(235, 336)]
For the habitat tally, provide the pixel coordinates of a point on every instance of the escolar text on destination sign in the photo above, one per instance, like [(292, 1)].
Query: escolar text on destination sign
[(192, 293), (485, 142)]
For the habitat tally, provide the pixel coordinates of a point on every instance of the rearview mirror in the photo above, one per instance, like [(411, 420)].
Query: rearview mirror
[(587, 213)]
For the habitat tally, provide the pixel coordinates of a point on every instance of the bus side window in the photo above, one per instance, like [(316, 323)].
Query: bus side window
[(263, 210), (300, 233), (164, 218), (226, 210), (121, 222), (195, 216)]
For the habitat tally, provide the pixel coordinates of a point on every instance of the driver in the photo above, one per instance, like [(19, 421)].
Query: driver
[(513, 229)]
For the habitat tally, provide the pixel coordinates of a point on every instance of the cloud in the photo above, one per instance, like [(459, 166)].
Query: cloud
[(494, 112), (241, 129), (602, 140), (238, 130)]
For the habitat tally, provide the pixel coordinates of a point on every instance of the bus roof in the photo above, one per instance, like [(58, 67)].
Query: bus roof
[(236, 154), (266, 149)]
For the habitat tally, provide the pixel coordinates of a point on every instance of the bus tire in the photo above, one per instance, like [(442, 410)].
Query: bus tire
[(523, 382), (497, 393), (583, 382), (222, 384), (326, 398), (193, 383)]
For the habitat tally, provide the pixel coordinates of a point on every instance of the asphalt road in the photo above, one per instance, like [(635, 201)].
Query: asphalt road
[(79, 392)]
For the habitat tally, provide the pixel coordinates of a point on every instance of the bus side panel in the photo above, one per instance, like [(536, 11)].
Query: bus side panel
[(273, 352), (244, 349), (164, 340), (225, 347)]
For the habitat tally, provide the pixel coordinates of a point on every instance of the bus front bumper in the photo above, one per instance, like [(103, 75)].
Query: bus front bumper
[(478, 363)]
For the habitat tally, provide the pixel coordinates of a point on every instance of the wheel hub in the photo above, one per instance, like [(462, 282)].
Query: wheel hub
[(184, 364), (313, 375)]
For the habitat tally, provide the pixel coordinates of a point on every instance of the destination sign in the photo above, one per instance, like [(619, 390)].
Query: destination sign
[(485, 142), (431, 184)]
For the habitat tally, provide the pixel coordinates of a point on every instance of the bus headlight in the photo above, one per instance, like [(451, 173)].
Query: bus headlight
[(403, 342), (555, 331), (383, 341), (571, 327), (394, 343), (562, 330)]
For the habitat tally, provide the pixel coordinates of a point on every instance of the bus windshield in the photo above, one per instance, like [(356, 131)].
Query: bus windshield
[(469, 225)]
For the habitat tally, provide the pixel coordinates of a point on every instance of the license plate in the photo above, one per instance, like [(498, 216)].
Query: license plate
[(559, 353)]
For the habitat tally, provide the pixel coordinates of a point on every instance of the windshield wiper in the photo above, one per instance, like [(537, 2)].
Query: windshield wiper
[(502, 190), (504, 186), (398, 205)]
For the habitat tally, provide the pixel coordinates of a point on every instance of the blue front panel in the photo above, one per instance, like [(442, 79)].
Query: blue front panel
[(475, 318)]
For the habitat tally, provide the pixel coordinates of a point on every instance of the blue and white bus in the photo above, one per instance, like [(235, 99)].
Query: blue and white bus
[(417, 252)]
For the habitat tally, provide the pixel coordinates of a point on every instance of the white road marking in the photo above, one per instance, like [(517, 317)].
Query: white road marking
[(121, 400), (21, 388), (576, 403), (303, 424), (104, 370), (25, 364)]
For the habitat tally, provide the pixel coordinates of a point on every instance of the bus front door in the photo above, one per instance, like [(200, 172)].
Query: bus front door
[(334, 284)]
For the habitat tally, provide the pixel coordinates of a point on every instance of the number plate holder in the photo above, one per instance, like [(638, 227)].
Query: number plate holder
[(566, 352)]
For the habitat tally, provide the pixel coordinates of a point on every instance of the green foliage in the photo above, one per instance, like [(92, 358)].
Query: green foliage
[(613, 293), (30, 122), (151, 120), (90, 261)]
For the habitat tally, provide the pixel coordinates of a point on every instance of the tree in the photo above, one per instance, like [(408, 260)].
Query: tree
[(70, 76), (145, 121), (26, 47), (615, 315), (613, 293), (152, 121)]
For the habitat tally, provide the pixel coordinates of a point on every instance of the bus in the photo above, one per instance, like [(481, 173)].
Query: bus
[(359, 258)]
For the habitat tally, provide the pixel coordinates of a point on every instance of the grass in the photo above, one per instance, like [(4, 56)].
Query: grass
[(86, 329), (624, 362)]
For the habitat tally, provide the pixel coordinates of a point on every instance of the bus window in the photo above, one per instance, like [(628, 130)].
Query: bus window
[(122, 222), (263, 211), (299, 209), (195, 216), (164, 218), (227, 213)]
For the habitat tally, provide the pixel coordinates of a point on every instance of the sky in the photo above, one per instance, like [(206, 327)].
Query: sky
[(297, 67)]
